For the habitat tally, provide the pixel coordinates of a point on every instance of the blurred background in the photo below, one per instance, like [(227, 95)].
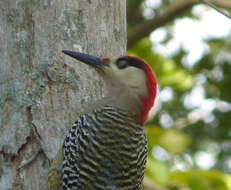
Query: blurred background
[(189, 132)]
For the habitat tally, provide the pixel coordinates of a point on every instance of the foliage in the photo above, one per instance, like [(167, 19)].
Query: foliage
[(184, 132)]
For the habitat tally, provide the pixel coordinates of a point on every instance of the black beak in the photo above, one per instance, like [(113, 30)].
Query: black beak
[(88, 59)]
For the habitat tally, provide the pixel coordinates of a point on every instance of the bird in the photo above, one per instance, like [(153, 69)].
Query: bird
[(106, 148)]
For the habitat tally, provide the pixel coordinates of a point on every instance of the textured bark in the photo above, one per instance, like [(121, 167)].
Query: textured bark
[(41, 90)]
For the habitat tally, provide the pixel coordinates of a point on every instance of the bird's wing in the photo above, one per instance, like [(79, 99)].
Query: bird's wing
[(55, 176)]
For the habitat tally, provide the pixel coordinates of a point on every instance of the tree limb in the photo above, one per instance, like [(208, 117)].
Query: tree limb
[(226, 4), (145, 28), (215, 7), (170, 13)]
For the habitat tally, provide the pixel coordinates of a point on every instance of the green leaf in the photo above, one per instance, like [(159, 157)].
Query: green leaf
[(174, 141), (202, 180), (157, 171), (153, 134)]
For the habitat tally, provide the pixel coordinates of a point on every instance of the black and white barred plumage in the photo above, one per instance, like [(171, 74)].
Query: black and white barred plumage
[(104, 150)]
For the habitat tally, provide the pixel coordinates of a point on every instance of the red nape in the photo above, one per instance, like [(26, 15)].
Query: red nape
[(151, 83)]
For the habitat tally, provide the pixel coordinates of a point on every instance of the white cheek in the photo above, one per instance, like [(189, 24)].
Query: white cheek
[(115, 68), (134, 78)]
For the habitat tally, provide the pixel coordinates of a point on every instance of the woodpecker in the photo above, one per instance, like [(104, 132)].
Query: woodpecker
[(106, 148)]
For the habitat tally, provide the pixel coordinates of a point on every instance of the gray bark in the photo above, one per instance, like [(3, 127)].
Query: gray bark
[(42, 91)]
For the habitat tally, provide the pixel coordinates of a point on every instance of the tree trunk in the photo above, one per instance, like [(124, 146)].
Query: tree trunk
[(42, 91)]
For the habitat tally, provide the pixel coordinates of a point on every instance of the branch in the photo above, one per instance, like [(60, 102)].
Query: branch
[(170, 13), (209, 3), (226, 4)]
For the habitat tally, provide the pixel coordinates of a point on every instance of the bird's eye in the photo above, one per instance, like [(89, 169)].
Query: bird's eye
[(122, 64)]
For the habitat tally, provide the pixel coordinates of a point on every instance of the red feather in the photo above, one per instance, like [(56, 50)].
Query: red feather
[(151, 83)]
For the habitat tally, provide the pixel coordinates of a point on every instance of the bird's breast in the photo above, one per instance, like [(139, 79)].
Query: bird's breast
[(105, 149)]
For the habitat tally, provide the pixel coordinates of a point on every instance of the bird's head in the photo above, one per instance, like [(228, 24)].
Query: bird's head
[(126, 72)]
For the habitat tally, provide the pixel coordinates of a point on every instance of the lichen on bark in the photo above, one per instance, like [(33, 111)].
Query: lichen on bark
[(41, 90)]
